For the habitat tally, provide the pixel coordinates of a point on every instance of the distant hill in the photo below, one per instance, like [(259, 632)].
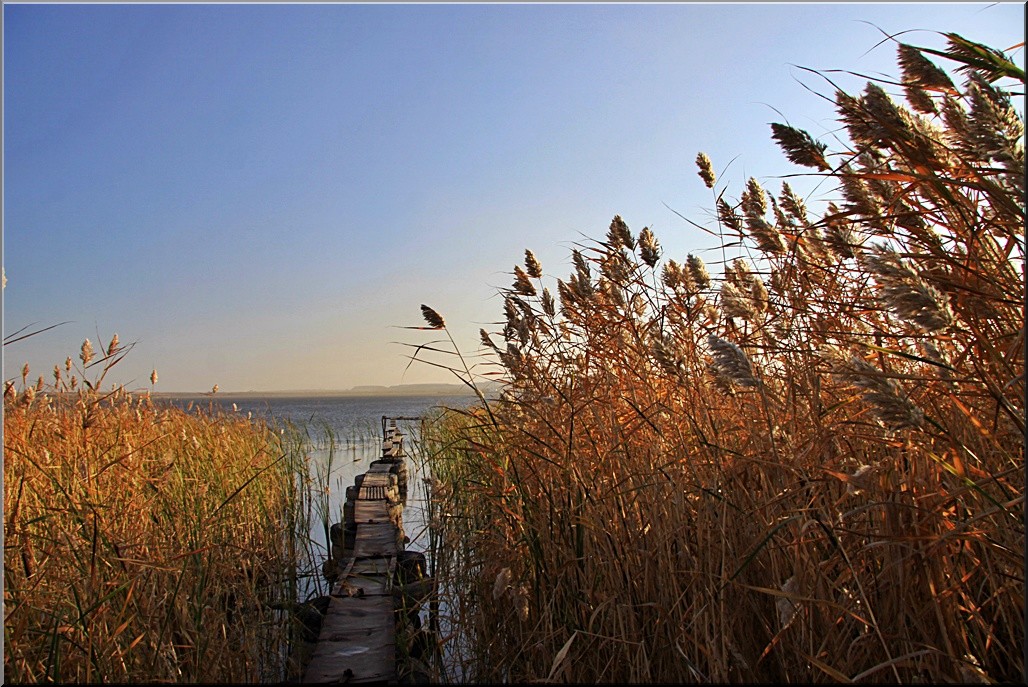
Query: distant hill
[(411, 390)]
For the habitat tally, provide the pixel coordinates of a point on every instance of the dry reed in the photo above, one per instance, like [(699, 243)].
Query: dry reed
[(841, 501), (144, 543)]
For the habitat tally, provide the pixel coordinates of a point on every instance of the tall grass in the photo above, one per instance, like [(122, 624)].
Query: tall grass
[(802, 463), (143, 542)]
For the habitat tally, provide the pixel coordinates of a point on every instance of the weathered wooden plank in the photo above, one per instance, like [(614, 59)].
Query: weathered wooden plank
[(370, 512), (374, 585), (356, 643), (368, 567), (378, 486), (377, 539)]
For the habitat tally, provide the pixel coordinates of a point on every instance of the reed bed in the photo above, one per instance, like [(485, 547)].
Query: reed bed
[(803, 462), (143, 542)]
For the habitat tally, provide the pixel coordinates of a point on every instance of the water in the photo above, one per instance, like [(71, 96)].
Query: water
[(346, 435)]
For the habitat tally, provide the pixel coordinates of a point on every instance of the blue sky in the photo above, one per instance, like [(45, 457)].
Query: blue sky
[(260, 196)]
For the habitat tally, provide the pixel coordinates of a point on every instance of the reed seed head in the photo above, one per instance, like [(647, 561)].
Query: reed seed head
[(581, 266), (889, 404), (535, 270), (434, 319), (793, 205), (919, 99), (736, 303), (522, 284), (860, 480), (754, 199), (521, 602), (860, 200), (765, 235), (547, 303), (905, 293), (706, 170), (698, 271), (487, 340), (664, 352), (113, 346), (671, 275), (502, 583), (619, 234), (799, 147), (840, 238), (920, 70), (153, 376), (86, 354), (786, 607), (649, 249), (730, 362), (727, 216)]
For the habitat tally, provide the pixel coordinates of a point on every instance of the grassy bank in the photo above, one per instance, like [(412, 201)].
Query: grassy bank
[(800, 461), (145, 543)]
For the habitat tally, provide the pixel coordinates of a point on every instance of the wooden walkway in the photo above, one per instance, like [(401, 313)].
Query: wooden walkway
[(357, 641)]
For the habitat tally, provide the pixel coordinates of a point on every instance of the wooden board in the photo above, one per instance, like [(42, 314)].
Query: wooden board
[(357, 642), (370, 512), (376, 540), (377, 486), (366, 577)]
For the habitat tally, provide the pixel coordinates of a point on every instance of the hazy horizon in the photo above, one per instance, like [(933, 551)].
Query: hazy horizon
[(370, 390), (261, 196)]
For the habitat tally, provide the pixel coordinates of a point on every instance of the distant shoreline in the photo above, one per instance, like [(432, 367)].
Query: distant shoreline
[(455, 390)]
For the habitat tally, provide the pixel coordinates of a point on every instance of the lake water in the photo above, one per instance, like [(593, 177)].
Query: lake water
[(346, 435)]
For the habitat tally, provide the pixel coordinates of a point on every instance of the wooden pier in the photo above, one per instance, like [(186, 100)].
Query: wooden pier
[(375, 584)]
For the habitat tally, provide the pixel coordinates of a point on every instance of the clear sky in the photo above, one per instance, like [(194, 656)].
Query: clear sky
[(261, 195)]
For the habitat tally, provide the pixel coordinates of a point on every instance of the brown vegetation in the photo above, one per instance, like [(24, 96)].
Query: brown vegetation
[(810, 469), (143, 543)]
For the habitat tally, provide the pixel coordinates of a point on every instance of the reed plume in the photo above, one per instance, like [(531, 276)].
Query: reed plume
[(905, 293), (434, 319), (535, 270), (706, 170), (890, 405), (522, 284), (730, 362)]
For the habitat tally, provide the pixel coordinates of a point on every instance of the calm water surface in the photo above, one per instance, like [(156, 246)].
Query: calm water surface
[(346, 435)]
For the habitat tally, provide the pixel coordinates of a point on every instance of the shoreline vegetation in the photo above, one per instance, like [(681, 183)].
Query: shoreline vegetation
[(146, 543), (799, 461)]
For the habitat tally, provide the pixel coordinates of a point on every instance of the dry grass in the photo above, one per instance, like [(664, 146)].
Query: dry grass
[(808, 470), (144, 543)]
